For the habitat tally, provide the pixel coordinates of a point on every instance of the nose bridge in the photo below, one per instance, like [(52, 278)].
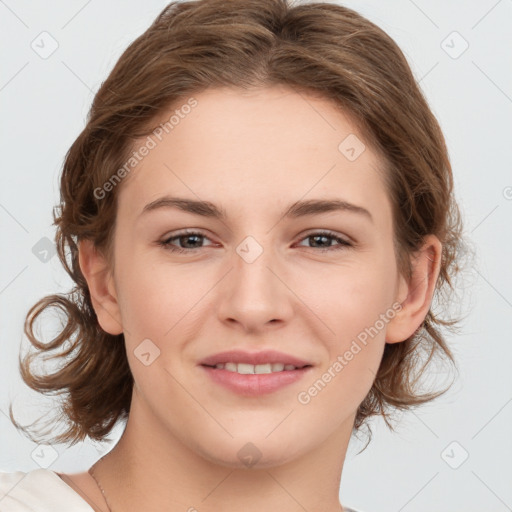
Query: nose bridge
[(252, 264), (253, 293)]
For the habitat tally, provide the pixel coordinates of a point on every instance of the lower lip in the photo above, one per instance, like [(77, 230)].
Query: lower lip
[(255, 384)]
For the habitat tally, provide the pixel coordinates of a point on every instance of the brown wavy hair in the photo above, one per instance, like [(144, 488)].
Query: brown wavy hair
[(316, 48)]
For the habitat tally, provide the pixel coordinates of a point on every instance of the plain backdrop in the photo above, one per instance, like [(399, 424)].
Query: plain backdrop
[(454, 454)]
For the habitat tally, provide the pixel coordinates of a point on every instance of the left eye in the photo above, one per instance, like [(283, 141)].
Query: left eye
[(194, 238), (327, 235)]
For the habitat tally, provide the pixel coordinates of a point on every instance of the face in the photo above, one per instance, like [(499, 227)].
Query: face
[(317, 284)]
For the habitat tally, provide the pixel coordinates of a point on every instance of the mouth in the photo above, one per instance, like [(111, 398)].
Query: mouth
[(249, 380), (254, 373), (256, 369), (263, 361)]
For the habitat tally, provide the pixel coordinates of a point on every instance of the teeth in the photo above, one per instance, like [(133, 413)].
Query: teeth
[(246, 369)]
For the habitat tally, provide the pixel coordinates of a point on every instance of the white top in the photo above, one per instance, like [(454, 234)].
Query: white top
[(39, 490), (42, 490)]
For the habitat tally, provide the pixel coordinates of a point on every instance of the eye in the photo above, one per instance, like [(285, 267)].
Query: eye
[(192, 240), (325, 237), (187, 237)]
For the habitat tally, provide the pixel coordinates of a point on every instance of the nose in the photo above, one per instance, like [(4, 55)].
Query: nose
[(255, 295)]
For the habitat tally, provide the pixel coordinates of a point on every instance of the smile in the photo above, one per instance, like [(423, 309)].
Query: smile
[(254, 380), (246, 369)]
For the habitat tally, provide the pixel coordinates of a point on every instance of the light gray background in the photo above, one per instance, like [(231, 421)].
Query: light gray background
[(43, 104)]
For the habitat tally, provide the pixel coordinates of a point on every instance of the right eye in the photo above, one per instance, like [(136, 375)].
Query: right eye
[(183, 237)]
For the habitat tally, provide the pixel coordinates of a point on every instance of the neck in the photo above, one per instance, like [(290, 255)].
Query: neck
[(150, 469)]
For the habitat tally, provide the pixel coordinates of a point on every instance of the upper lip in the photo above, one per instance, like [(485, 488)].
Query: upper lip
[(263, 357)]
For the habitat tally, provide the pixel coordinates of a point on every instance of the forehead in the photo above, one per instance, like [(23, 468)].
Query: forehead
[(244, 148)]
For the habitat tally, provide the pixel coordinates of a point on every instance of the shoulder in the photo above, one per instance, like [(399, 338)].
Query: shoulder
[(40, 490)]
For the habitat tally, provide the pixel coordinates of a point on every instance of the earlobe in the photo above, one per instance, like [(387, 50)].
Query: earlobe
[(96, 272), (416, 295)]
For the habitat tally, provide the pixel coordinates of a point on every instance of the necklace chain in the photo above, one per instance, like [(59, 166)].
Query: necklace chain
[(91, 472)]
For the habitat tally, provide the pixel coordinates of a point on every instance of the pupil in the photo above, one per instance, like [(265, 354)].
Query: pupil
[(316, 237), (188, 237)]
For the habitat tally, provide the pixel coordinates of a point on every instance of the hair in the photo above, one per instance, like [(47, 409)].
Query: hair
[(317, 48)]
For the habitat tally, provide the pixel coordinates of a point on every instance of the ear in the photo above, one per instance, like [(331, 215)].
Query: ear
[(94, 267), (416, 295)]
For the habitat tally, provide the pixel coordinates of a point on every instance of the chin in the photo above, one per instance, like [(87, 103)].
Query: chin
[(246, 452)]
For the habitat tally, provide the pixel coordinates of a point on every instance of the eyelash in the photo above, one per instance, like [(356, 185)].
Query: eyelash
[(343, 244)]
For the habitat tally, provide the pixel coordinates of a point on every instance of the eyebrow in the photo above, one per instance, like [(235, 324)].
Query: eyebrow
[(295, 210)]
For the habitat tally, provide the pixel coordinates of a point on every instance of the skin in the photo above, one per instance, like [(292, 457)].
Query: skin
[(252, 153)]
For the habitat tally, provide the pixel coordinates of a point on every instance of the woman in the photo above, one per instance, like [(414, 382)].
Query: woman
[(257, 217)]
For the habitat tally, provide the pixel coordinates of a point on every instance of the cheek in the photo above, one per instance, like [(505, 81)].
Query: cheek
[(354, 298), (155, 297), (356, 308)]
